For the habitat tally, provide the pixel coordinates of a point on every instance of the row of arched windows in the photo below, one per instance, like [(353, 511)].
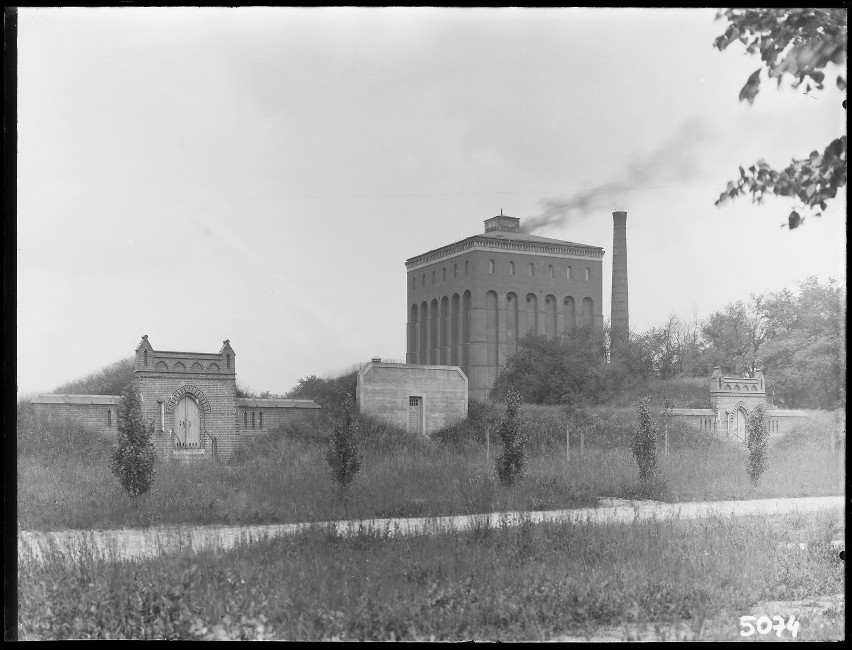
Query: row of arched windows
[(255, 417), (551, 272), (440, 329)]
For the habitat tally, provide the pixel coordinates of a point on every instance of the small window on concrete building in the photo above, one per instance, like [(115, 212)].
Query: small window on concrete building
[(491, 266), (550, 270), (109, 417), (511, 268), (532, 270), (569, 272), (588, 275)]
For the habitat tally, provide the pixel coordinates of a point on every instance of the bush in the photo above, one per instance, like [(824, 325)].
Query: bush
[(342, 455), (510, 463), (645, 444), (758, 439), (133, 459)]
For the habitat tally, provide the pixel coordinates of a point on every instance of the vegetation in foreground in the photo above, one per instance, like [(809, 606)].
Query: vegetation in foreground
[(531, 582), (64, 479)]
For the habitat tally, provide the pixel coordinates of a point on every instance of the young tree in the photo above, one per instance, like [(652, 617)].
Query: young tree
[(644, 443), (133, 460), (799, 43), (757, 441), (342, 455), (510, 463)]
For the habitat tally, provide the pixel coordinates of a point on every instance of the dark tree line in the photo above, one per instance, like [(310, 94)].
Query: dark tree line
[(796, 338)]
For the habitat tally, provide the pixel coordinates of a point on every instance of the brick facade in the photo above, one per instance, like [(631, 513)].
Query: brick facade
[(163, 379), (732, 399), (470, 302), (386, 390), (97, 413)]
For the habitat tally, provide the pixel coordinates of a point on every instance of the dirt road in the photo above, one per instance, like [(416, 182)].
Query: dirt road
[(130, 544)]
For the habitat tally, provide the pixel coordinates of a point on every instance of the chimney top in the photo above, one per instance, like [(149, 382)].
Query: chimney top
[(503, 223), (376, 360)]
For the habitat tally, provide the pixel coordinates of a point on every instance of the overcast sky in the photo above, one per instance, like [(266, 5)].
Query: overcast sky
[(263, 174)]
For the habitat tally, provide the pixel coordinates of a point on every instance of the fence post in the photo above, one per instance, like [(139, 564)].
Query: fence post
[(568, 442), (582, 441)]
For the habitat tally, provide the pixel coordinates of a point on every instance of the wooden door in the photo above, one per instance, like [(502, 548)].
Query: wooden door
[(188, 422), (740, 425), (415, 413)]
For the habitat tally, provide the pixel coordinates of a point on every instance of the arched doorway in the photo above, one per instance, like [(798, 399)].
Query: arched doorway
[(188, 422), (740, 423)]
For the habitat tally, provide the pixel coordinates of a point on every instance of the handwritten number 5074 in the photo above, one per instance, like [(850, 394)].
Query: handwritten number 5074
[(763, 625)]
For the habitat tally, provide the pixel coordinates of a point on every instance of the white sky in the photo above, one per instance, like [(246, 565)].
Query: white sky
[(262, 174)]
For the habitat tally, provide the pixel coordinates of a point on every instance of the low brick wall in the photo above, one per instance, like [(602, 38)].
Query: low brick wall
[(256, 416), (95, 412)]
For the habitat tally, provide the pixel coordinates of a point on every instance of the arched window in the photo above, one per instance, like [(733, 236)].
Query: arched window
[(491, 266), (260, 426), (466, 264), (550, 270), (532, 270), (245, 419), (511, 268), (252, 419), (423, 281), (433, 277), (569, 272), (455, 270), (413, 282), (227, 360), (444, 273), (588, 274)]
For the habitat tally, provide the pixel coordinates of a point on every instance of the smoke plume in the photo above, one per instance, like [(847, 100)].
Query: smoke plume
[(674, 160)]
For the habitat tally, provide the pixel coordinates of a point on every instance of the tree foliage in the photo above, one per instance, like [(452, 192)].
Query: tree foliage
[(133, 459), (757, 441), (510, 463), (800, 43), (343, 455), (644, 443)]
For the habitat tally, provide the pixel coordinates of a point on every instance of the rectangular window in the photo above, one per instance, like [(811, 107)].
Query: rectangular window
[(109, 417), (252, 419), (261, 419), (245, 419)]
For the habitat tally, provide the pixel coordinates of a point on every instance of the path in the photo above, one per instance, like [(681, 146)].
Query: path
[(132, 544)]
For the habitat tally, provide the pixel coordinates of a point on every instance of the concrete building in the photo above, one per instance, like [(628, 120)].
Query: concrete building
[(470, 302), (191, 397), (419, 399), (731, 401)]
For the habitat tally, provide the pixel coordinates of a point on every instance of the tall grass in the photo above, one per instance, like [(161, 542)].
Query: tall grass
[(522, 583), (64, 481)]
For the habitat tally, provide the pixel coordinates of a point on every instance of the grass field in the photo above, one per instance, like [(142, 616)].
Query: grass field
[(531, 582), (64, 481)]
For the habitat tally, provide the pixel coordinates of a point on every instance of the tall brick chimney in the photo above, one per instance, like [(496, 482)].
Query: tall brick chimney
[(619, 314)]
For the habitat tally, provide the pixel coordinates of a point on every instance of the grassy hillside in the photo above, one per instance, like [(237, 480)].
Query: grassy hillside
[(110, 380)]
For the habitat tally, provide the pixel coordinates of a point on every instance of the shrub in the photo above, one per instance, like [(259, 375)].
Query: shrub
[(133, 459), (645, 444), (757, 441), (510, 463), (342, 455)]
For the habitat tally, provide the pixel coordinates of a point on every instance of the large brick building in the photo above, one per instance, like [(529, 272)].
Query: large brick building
[(191, 397), (470, 302)]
